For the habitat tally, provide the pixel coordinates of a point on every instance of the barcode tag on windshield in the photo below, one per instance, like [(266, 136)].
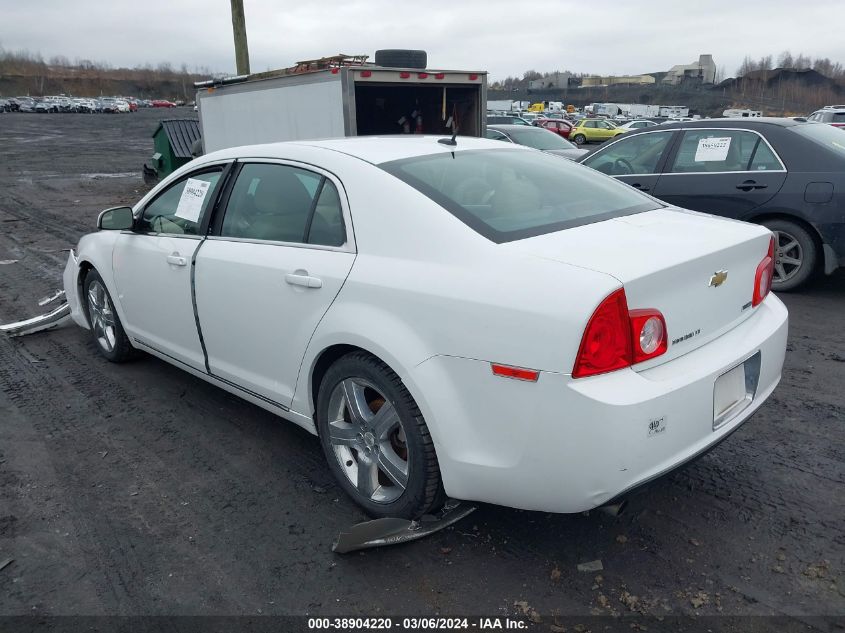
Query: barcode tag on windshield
[(193, 195), (712, 149)]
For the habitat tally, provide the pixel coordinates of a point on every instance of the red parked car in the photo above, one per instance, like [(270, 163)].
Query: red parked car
[(558, 126), (163, 103)]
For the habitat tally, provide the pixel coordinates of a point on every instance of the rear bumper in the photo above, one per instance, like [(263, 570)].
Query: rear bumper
[(565, 445)]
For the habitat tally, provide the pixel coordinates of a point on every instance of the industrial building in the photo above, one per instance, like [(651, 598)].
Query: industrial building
[(703, 71), (597, 81), (554, 81)]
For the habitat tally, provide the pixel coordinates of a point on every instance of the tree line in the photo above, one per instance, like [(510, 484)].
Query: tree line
[(24, 65), (822, 65)]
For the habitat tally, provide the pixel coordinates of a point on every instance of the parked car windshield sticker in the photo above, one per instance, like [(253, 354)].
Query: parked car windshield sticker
[(710, 149), (190, 204)]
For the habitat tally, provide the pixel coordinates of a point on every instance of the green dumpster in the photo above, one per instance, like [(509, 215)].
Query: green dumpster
[(173, 143)]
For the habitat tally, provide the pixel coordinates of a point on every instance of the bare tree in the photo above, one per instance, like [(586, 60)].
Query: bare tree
[(802, 61), (748, 65)]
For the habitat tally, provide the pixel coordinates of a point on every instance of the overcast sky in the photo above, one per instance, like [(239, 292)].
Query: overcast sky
[(504, 37)]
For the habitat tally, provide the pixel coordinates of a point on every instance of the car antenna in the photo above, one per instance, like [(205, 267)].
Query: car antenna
[(449, 141), (454, 121)]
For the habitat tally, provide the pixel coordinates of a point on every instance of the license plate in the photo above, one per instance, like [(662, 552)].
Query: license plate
[(729, 393)]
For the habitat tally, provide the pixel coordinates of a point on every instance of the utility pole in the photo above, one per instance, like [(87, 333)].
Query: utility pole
[(239, 29)]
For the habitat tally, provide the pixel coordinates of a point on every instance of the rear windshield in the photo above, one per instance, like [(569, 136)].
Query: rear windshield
[(833, 138), (511, 194)]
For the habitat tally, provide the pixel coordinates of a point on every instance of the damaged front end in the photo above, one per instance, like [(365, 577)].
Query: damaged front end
[(57, 316), (65, 302)]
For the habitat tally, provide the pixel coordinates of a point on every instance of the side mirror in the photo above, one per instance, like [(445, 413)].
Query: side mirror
[(116, 219)]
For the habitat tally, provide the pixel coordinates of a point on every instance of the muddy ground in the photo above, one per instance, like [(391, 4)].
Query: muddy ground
[(140, 490)]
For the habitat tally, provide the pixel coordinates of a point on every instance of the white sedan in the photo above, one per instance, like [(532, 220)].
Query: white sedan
[(479, 321)]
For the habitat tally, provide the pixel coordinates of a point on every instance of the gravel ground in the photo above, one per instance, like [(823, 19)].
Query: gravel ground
[(140, 490)]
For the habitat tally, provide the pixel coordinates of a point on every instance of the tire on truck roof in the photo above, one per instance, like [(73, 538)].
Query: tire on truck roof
[(401, 58)]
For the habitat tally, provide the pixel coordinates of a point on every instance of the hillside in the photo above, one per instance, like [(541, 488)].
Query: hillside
[(22, 74)]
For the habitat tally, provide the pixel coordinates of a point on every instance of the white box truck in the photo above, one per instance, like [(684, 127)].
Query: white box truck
[(674, 111), (643, 111), (340, 96), (501, 105)]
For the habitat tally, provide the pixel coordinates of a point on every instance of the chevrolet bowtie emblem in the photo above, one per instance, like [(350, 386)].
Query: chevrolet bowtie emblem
[(718, 278)]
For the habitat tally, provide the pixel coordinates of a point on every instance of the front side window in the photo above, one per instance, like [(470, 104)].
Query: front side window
[(182, 206), (281, 203), (511, 194), (639, 154), (703, 151)]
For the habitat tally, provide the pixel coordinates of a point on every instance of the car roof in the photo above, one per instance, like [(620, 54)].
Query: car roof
[(372, 149), (502, 127), (747, 122)]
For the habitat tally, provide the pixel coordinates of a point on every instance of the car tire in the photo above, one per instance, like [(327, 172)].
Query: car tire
[(401, 58), (106, 328), (793, 243), (580, 139), (402, 475)]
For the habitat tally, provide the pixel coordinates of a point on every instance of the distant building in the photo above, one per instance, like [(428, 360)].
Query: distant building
[(703, 71), (554, 81), (595, 81)]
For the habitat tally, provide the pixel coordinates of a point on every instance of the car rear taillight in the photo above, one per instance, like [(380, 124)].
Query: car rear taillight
[(763, 276), (648, 334), (616, 337), (606, 344)]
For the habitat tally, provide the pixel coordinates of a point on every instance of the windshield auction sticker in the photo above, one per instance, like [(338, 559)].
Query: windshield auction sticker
[(712, 149), (190, 204)]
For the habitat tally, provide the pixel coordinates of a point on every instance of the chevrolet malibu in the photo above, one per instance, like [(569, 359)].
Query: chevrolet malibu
[(472, 320)]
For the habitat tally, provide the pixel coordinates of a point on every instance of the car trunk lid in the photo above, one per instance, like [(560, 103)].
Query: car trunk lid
[(671, 260)]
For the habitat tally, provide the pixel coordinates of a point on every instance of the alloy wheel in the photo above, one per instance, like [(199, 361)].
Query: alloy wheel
[(102, 316), (368, 439), (789, 256)]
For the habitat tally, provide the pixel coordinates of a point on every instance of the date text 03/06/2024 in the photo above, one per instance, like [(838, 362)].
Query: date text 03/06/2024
[(423, 624)]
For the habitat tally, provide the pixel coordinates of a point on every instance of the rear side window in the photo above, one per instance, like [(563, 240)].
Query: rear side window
[(511, 194), (716, 150), (639, 154), (281, 203)]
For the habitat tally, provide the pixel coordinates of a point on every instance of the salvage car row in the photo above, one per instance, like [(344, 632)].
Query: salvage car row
[(63, 103)]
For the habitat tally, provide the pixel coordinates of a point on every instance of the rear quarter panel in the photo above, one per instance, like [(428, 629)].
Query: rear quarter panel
[(424, 284)]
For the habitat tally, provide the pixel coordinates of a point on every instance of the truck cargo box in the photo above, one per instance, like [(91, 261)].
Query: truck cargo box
[(356, 100)]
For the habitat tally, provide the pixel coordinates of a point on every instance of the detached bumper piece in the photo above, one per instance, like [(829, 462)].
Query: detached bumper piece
[(390, 531), (58, 316)]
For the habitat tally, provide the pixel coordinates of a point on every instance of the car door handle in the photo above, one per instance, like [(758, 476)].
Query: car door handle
[(637, 185), (306, 281), (748, 185), (177, 260)]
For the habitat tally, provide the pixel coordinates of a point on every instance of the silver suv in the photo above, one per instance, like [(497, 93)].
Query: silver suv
[(833, 115)]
